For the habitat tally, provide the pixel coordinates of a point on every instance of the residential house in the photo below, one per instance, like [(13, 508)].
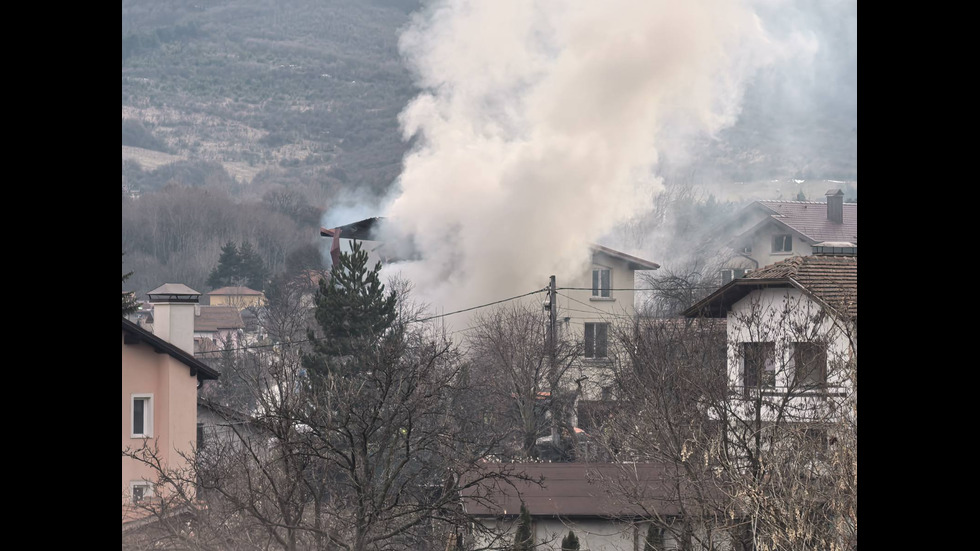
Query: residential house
[(160, 380), (221, 325), (766, 232), (239, 297), (589, 306), (609, 506), (791, 334)]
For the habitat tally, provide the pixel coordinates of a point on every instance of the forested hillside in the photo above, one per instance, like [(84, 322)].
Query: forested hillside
[(225, 102), (228, 102)]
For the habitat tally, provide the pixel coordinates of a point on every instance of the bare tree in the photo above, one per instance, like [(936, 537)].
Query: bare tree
[(368, 450), (526, 387)]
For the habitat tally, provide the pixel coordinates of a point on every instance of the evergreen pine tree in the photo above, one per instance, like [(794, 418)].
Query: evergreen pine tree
[(523, 538), (227, 268), (353, 311), (570, 542), (251, 267)]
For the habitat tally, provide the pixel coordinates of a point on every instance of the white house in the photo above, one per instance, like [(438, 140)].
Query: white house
[(589, 306), (791, 335), (766, 232)]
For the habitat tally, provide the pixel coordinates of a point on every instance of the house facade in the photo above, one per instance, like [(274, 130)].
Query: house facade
[(589, 306), (239, 297), (160, 378), (766, 232), (791, 335)]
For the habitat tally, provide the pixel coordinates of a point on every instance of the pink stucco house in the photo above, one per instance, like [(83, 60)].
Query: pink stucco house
[(160, 379)]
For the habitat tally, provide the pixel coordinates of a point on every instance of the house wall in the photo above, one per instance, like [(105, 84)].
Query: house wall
[(578, 307), (783, 316), (239, 301), (762, 246), (174, 407)]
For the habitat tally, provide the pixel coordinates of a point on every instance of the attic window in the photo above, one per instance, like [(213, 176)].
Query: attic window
[(782, 243)]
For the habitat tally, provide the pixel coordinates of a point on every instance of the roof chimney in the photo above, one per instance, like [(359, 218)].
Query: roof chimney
[(173, 314), (835, 206)]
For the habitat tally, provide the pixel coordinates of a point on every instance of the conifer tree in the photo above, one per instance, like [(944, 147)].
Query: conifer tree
[(227, 268), (353, 312), (570, 542), (523, 538)]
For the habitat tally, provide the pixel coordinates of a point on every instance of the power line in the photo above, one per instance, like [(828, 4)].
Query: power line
[(290, 343), (480, 306)]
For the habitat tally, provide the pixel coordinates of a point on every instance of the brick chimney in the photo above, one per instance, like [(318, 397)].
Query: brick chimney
[(173, 314), (835, 206)]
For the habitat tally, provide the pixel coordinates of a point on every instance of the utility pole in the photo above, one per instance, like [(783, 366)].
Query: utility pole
[(552, 319)]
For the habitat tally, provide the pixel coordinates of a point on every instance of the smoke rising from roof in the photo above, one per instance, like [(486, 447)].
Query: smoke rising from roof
[(540, 125)]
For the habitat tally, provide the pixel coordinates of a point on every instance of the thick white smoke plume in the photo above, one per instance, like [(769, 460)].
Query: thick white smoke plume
[(539, 127)]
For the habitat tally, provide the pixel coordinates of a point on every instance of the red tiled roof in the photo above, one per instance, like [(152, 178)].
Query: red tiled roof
[(830, 279), (809, 218), (213, 318)]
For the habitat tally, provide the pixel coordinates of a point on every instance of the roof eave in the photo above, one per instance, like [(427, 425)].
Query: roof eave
[(198, 368)]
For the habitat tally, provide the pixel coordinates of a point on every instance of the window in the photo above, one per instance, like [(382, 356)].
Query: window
[(142, 416), (596, 338), (810, 359), (782, 243), (600, 282), (759, 365), (139, 490)]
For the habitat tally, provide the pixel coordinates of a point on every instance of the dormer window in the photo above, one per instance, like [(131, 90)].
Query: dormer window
[(782, 243), (601, 278)]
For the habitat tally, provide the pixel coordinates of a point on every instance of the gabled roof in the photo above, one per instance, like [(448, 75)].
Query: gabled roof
[(134, 334), (831, 280), (236, 291), (808, 219), (214, 318), (575, 490), (635, 263)]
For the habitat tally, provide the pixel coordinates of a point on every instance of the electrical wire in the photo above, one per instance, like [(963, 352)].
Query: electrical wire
[(418, 320)]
